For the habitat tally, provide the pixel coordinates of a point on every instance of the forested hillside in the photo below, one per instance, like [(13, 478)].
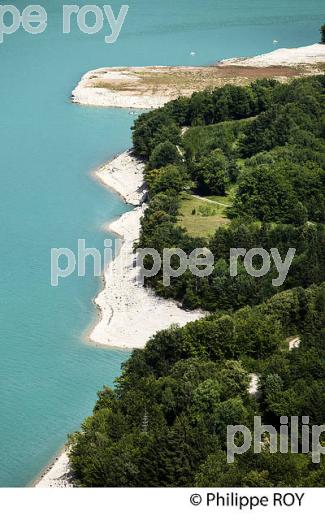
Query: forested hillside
[(256, 157), (262, 145)]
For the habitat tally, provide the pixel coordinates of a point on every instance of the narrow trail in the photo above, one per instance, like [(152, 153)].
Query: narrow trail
[(294, 343), (211, 201), (255, 378)]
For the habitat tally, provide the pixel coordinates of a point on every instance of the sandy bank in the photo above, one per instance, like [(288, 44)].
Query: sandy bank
[(124, 175), (119, 87), (310, 55), (152, 87), (57, 474), (129, 313)]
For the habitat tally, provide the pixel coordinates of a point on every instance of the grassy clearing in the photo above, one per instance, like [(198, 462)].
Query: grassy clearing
[(201, 219)]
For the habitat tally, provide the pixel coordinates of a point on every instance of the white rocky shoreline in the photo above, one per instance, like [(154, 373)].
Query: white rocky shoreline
[(57, 474), (309, 55), (86, 94), (125, 87), (130, 314)]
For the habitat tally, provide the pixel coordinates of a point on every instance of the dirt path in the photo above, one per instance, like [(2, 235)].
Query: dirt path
[(211, 201), (294, 343)]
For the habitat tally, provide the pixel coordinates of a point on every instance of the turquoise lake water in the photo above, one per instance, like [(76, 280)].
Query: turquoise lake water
[(48, 147)]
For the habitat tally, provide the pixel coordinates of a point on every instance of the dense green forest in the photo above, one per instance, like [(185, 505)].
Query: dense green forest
[(261, 150), (264, 143)]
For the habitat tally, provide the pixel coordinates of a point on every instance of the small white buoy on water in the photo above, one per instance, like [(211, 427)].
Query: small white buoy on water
[(193, 53), (275, 41)]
